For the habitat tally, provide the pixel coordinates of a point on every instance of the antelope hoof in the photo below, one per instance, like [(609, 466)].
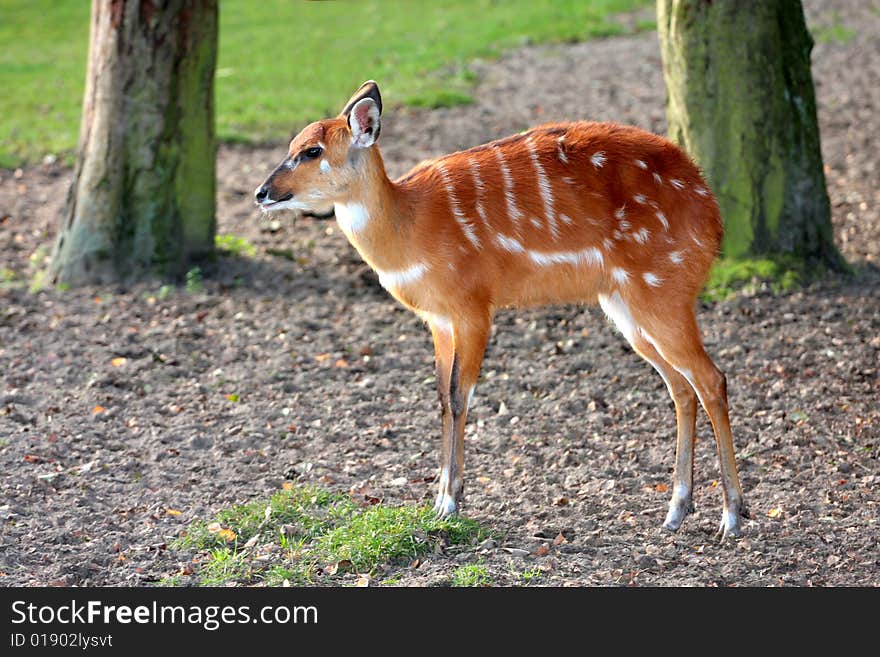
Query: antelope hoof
[(445, 506), (731, 526), (678, 509)]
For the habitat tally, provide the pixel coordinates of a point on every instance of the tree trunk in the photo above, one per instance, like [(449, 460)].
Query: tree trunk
[(740, 100), (142, 195)]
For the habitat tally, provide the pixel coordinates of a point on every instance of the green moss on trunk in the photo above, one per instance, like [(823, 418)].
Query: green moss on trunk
[(740, 100)]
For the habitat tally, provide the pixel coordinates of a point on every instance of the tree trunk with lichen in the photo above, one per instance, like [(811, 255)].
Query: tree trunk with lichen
[(740, 100), (142, 196)]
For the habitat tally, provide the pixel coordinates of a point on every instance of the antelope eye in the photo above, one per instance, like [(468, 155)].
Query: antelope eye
[(313, 152)]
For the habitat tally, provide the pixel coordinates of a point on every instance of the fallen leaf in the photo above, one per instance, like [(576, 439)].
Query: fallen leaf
[(341, 363), (362, 581), (252, 541), (33, 458), (541, 550), (775, 513), (226, 534), (232, 397), (287, 485), (322, 357), (661, 488), (119, 361), (98, 409), (173, 512), (214, 527), (560, 539), (342, 566), (560, 501)]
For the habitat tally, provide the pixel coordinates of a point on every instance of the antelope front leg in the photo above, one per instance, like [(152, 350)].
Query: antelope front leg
[(458, 354)]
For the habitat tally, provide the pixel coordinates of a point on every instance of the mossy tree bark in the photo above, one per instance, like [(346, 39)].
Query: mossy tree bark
[(142, 198), (740, 100)]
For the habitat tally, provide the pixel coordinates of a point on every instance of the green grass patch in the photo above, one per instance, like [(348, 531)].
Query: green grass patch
[(529, 575), (732, 275), (306, 535), (282, 64), (471, 575), (193, 281), (836, 32), (9, 279), (234, 245)]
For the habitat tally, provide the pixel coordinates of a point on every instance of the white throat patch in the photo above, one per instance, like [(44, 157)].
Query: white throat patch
[(351, 217)]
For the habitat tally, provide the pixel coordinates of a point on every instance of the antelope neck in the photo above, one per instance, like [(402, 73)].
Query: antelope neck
[(371, 219)]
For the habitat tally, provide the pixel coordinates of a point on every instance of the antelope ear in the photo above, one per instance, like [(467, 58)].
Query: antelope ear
[(364, 123), (363, 111), (368, 89)]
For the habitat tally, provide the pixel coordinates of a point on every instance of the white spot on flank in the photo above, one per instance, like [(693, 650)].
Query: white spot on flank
[(565, 219), (702, 191), (545, 188), (651, 279), (620, 213), (676, 257), (625, 225), (658, 179), (663, 220), (568, 180), (639, 198), (462, 220), (351, 217), (607, 243), (696, 240), (400, 277), (620, 275), (598, 159), (640, 164), (616, 310), (535, 222), (641, 235), (509, 244), (512, 211), (590, 256), (675, 182), (324, 166), (617, 234), (479, 187)]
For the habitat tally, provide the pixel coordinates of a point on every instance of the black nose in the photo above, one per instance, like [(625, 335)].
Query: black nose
[(262, 193)]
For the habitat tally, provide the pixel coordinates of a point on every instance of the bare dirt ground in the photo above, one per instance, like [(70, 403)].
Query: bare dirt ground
[(335, 385)]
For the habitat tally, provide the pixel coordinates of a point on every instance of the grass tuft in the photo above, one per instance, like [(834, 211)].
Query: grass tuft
[(234, 245), (471, 575), (730, 276), (306, 535)]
